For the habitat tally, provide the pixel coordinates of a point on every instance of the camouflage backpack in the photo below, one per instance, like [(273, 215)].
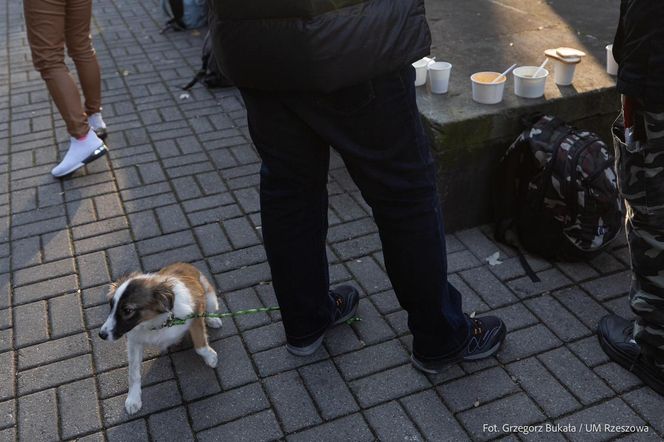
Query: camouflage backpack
[(556, 189)]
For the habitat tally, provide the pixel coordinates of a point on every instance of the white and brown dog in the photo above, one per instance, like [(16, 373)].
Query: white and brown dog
[(140, 305)]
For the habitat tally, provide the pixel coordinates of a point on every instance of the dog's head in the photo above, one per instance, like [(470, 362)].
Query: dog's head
[(135, 299)]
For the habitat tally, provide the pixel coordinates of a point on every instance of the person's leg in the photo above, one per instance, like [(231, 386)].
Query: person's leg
[(79, 48), (377, 129), (45, 23), (645, 230), (293, 196), (638, 345)]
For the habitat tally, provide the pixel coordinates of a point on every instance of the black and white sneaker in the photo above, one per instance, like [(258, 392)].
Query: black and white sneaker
[(346, 299), (488, 334), (615, 336)]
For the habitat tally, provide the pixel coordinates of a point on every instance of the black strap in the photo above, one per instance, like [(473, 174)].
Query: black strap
[(200, 74), (526, 266)]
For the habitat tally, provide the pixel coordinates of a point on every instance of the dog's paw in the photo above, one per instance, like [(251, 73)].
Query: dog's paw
[(208, 355), (133, 404), (213, 322)]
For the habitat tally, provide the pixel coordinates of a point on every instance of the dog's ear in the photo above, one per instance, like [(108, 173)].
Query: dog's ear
[(113, 286), (162, 295)]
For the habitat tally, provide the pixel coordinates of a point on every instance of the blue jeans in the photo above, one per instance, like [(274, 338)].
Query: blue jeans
[(377, 130)]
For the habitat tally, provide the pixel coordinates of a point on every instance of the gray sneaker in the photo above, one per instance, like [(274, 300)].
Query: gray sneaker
[(346, 299)]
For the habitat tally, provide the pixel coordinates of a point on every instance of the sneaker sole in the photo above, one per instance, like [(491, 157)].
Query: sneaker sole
[(98, 153), (625, 361), (314, 346), (444, 367)]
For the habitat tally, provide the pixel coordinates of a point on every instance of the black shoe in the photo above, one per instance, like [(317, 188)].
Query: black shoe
[(101, 133), (488, 333), (346, 299), (615, 338)]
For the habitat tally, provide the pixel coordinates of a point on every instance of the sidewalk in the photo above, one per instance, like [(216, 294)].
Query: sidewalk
[(181, 183)]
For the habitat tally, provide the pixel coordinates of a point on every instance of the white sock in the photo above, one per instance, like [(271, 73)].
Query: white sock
[(96, 122), (80, 153)]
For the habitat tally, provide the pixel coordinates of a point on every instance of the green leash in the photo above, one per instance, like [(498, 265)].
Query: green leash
[(172, 320)]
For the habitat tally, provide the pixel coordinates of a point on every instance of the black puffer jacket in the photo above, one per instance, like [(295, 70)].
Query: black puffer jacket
[(316, 45), (639, 50)]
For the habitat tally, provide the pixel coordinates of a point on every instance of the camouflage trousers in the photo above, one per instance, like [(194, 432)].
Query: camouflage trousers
[(640, 167)]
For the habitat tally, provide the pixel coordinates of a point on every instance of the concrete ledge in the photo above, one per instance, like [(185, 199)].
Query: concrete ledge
[(477, 35)]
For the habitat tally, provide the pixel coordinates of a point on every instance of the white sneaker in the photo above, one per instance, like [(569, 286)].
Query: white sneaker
[(97, 124), (80, 153)]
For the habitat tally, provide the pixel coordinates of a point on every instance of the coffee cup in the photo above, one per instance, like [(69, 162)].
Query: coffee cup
[(439, 77)]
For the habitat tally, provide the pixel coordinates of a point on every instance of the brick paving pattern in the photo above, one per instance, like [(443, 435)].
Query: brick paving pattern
[(181, 183)]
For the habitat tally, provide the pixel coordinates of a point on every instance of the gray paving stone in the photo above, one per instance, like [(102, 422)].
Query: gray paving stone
[(93, 269), (550, 280), (122, 260), (171, 425), (185, 254), (381, 387), (582, 305), (357, 247), (557, 318), (609, 286), (195, 378), (154, 398), (43, 271), (278, 359), (477, 242), (348, 428), (45, 289), (53, 350), (390, 423), (613, 412), (471, 300), (265, 337), (372, 328), (512, 410), (432, 418), (246, 299), (7, 414), (342, 339), (543, 388), (46, 376), (144, 225), (171, 218), (236, 259), (38, 416), (245, 277), (648, 404), (617, 377), (589, 351), (484, 387), (31, 324), (99, 227), (212, 239), (372, 359), (581, 380), (369, 274), (7, 375), (102, 242), (515, 316), (227, 406), (386, 302), (134, 431), (492, 291), (526, 342), (56, 245), (235, 368), (241, 233), (577, 271), (153, 371), (79, 413), (65, 315), (291, 401), (328, 390), (606, 263), (462, 260), (255, 428)]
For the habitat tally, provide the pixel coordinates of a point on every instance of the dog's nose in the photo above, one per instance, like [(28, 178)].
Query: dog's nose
[(103, 334)]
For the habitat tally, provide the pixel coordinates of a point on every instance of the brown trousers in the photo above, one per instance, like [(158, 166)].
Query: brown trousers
[(51, 24)]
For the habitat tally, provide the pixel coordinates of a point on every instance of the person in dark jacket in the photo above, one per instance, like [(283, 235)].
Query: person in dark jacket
[(315, 74), (638, 345)]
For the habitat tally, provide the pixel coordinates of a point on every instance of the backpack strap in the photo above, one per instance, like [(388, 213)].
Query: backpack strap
[(504, 196)]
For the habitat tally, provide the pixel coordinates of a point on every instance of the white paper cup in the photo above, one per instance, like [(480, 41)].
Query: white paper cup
[(611, 65), (421, 71), (486, 92), (525, 85), (563, 72), (439, 76)]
